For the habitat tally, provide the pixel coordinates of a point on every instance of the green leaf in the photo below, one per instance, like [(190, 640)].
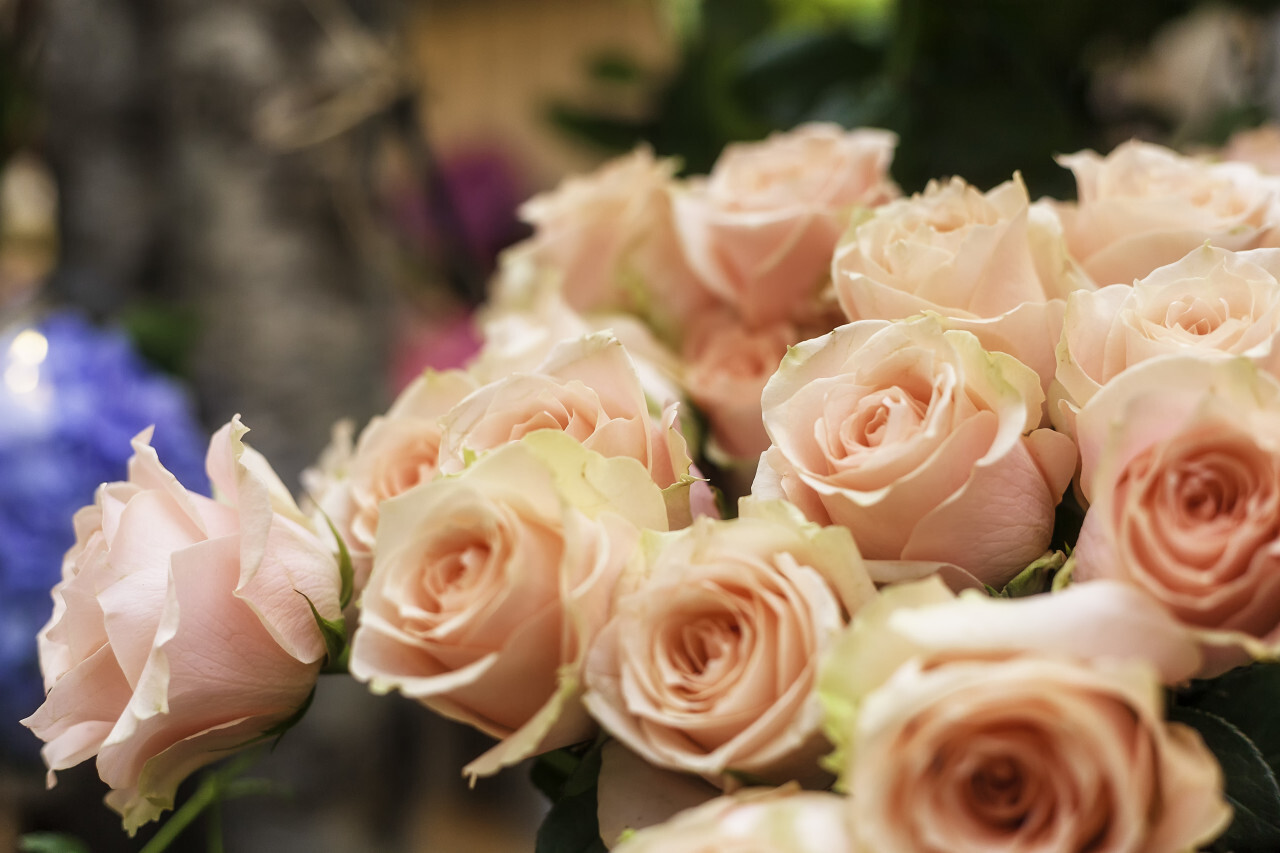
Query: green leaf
[(1247, 697), (1251, 787), (51, 842), (572, 825)]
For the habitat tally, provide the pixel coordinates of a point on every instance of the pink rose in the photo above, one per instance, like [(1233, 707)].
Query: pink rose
[(606, 242), (756, 820), (394, 453), (920, 442), (708, 663), (1143, 206), (978, 724), (489, 586), (727, 366), (588, 388), (179, 632), (992, 264), (1259, 146), (1212, 300), (1180, 463), (761, 228)]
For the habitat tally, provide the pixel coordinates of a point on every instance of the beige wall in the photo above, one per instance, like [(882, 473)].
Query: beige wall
[(491, 66)]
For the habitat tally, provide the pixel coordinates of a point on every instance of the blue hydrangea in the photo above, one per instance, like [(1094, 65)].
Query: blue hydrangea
[(71, 397)]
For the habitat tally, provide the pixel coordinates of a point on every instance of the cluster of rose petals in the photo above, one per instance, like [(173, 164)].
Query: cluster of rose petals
[(992, 264), (1212, 301), (589, 389), (760, 229), (977, 724), (1143, 206), (181, 628), (394, 453), (709, 661), (774, 820), (488, 586), (920, 442), (606, 242), (727, 366), (1180, 463)]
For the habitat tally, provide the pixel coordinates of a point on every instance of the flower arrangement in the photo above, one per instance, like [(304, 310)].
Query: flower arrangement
[(778, 511)]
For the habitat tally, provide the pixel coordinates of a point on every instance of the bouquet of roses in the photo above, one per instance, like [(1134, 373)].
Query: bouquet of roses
[(778, 511)]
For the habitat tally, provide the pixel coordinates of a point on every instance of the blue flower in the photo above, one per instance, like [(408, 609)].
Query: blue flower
[(71, 398)]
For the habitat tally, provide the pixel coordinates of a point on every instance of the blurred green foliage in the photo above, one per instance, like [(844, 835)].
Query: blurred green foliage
[(978, 88)]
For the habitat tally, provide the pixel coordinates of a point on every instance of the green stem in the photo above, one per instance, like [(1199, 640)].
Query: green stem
[(211, 791)]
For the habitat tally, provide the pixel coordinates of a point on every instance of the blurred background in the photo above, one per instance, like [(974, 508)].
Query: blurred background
[(287, 208)]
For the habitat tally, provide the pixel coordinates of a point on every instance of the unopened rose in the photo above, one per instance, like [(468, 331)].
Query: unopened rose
[(488, 587), (756, 820), (1211, 300), (761, 228), (589, 389), (708, 663), (180, 629), (977, 724), (1143, 206), (919, 441), (394, 453), (606, 242), (727, 366), (992, 264), (1180, 463)]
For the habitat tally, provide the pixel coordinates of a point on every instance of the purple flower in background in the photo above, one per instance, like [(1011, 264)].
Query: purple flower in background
[(71, 398)]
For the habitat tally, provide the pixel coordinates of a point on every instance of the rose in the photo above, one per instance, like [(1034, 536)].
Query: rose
[(1180, 461), (606, 242), (488, 586), (517, 341), (707, 665), (978, 724), (1258, 145), (182, 628), (588, 388), (921, 443), (727, 366), (1212, 300), (773, 820), (1143, 206), (394, 453), (760, 229), (992, 264)]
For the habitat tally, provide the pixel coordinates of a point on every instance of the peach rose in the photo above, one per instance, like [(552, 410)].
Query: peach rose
[(708, 664), (756, 820), (394, 453), (1211, 300), (1180, 461), (1259, 146), (761, 228), (992, 264), (488, 587), (178, 632), (588, 388), (920, 442), (1143, 206), (606, 242), (977, 724), (726, 368)]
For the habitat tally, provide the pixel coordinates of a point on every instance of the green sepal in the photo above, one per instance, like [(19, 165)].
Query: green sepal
[(1034, 579), (334, 633), (346, 571)]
